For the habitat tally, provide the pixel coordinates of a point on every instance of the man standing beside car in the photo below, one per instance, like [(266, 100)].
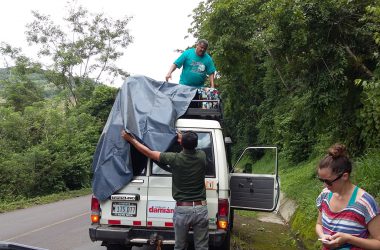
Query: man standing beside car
[(188, 187)]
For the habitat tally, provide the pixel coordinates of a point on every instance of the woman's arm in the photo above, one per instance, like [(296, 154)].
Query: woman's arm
[(325, 238), (318, 226)]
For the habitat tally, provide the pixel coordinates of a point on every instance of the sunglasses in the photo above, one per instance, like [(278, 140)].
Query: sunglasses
[(330, 182)]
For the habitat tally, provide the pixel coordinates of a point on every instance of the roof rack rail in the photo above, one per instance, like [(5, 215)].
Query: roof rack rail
[(204, 109)]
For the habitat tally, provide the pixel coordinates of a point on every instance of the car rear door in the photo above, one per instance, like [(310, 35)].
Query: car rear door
[(160, 204), (254, 182), (127, 206)]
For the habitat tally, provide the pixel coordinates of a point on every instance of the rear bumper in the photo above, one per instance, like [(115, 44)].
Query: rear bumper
[(142, 236)]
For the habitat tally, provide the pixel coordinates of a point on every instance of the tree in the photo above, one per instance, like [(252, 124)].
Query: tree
[(88, 49), (8, 53), (19, 90), (288, 70), (100, 103), (369, 121), (43, 144)]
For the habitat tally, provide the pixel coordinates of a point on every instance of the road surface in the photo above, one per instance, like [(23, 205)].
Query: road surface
[(61, 225)]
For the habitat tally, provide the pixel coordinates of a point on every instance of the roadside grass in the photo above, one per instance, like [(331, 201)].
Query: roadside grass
[(246, 213), (366, 173), (300, 184), (251, 233), (264, 165), (19, 203), (237, 243)]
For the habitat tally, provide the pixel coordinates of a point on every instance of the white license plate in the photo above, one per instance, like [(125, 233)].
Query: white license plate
[(127, 209)]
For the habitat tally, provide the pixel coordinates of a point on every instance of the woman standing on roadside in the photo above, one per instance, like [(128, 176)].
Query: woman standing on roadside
[(349, 217)]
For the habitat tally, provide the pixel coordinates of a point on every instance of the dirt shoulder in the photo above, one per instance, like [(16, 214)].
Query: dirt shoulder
[(262, 231)]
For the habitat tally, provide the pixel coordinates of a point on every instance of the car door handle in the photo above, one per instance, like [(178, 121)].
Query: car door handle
[(137, 181), (251, 187)]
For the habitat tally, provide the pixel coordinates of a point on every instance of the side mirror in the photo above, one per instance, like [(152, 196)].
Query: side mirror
[(227, 140), (228, 143)]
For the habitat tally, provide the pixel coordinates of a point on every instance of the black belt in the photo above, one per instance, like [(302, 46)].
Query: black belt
[(191, 203)]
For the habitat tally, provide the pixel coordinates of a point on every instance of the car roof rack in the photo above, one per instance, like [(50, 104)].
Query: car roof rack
[(204, 109)]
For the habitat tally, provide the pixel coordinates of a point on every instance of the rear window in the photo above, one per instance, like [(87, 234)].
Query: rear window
[(139, 162), (204, 143)]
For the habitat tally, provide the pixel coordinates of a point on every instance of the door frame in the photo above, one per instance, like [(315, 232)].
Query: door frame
[(248, 177)]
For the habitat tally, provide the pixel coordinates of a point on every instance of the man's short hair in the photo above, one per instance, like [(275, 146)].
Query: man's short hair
[(203, 41), (189, 140)]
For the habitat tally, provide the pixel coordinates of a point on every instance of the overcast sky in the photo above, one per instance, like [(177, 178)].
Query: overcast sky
[(158, 28)]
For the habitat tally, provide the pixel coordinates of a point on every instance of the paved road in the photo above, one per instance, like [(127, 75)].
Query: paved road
[(61, 225)]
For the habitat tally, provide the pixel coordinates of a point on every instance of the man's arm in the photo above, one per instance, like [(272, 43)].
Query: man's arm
[(154, 155), (169, 74), (212, 76)]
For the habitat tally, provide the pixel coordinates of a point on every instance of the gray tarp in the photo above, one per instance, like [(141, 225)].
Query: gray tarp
[(146, 108)]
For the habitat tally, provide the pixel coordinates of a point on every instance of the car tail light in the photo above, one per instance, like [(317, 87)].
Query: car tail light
[(95, 210), (223, 208)]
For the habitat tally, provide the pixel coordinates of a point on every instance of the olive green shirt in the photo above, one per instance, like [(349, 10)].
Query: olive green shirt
[(188, 174)]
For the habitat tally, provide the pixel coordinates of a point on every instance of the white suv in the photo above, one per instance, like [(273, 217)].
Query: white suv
[(141, 212)]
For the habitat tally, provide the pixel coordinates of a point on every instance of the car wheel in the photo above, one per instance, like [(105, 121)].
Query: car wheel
[(118, 247), (225, 245), (232, 214), (227, 242)]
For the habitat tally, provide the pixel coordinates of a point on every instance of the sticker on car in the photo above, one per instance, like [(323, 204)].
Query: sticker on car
[(161, 209)]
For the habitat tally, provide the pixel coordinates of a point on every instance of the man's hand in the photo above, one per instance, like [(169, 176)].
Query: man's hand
[(154, 155), (126, 136), (168, 76)]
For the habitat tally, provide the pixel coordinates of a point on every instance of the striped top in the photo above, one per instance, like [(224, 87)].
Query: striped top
[(351, 220)]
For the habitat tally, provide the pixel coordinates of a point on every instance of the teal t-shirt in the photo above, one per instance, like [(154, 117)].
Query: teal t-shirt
[(195, 68)]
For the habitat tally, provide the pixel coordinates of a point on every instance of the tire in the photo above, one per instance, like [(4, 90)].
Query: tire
[(231, 224), (167, 247), (225, 245), (118, 247)]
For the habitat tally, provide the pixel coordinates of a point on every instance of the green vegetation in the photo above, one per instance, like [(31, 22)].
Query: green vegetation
[(51, 119), (244, 213), (250, 233), (301, 75), (297, 74), (10, 205), (257, 161)]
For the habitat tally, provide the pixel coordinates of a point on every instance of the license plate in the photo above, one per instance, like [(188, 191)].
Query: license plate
[(126, 209)]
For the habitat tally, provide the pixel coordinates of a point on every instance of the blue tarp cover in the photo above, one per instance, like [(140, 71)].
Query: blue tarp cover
[(146, 108)]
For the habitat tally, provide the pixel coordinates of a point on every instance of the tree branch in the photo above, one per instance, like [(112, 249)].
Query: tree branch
[(278, 71), (105, 61), (364, 68)]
